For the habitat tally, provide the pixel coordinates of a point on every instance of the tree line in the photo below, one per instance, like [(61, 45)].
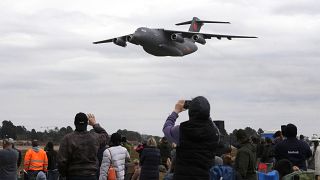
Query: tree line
[(8, 129)]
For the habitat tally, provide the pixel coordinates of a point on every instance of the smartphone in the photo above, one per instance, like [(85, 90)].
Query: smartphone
[(186, 104)]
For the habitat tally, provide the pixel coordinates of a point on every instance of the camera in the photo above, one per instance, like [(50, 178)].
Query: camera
[(186, 104)]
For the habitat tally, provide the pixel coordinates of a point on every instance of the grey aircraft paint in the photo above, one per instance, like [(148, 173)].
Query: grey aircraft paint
[(161, 42)]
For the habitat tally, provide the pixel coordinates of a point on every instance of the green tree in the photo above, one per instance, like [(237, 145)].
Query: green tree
[(21, 132), (8, 130), (130, 135)]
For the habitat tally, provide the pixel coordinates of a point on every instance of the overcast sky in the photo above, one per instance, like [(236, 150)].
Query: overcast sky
[(50, 70)]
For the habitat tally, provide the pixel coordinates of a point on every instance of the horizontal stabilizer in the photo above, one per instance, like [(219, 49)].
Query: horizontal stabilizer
[(196, 23), (201, 21)]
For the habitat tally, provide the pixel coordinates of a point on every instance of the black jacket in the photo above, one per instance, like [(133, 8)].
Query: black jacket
[(296, 151), (267, 154), (165, 151), (150, 161), (52, 159), (198, 139)]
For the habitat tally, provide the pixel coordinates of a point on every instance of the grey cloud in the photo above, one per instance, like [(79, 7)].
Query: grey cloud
[(248, 82)]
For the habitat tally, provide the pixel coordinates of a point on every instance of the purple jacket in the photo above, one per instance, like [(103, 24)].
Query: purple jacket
[(171, 132)]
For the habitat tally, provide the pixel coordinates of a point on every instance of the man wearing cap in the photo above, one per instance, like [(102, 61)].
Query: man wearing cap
[(245, 163), (296, 151), (196, 139), (77, 156), (35, 160), (8, 161)]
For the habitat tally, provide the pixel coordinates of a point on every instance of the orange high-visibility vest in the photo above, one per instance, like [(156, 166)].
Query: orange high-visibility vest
[(36, 161)]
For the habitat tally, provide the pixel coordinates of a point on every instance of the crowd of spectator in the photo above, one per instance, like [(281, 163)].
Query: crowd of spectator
[(188, 151)]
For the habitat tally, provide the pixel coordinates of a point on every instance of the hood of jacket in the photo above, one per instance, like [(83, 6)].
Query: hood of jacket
[(36, 148), (199, 109)]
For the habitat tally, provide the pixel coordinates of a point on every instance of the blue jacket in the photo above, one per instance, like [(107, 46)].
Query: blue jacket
[(222, 171)]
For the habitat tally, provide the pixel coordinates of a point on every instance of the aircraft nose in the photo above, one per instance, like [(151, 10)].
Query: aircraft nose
[(137, 35), (134, 38)]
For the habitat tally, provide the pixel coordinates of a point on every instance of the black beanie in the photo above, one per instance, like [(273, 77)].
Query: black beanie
[(81, 121), (291, 130), (115, 139)]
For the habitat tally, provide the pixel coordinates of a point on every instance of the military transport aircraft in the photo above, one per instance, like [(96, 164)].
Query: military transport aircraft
[(162, 42)]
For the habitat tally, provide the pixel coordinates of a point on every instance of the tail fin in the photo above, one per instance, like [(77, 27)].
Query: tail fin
[(196, 24)]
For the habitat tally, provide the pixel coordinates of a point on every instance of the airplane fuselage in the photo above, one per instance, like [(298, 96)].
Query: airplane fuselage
[(158, 43)]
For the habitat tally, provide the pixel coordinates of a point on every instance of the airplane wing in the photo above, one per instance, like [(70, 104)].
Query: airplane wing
[(205, 35), (103, 41), (112, 39), (120, 41)]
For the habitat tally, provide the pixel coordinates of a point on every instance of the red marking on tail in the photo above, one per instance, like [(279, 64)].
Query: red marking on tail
[(195, 26)]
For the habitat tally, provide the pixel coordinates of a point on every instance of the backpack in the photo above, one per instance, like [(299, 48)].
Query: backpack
[(112, 175), (222, 172), (273, 175)]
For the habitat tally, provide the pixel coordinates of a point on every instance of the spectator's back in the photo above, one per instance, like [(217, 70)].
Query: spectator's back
[(293, 149), (53, 173), (196, 140), (116, 155), (165, 151), (150, 161), (77, 155), (245, 163), (8, 161)]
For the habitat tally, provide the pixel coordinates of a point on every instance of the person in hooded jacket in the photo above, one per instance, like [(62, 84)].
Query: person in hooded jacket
[(35, 160), (245, 163), (296, 151), (196, 139), (115, 155)]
